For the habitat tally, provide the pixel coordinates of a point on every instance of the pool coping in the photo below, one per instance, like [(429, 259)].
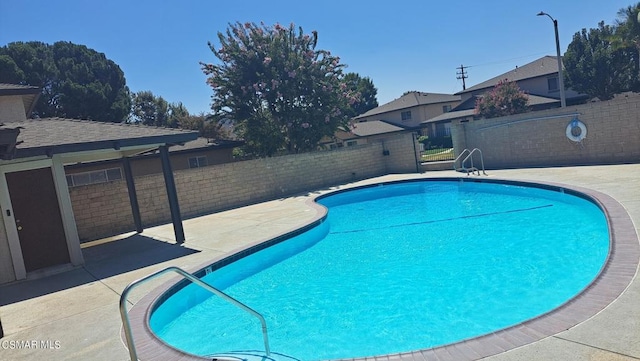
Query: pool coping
[(613, 280)]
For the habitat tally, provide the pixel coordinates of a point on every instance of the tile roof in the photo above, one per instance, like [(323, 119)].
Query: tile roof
[(57, 135), (363, 129), (411, 99), (540, 67)]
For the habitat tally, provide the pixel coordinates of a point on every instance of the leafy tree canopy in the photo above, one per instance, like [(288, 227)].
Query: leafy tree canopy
[(205, 125), (506, 98), (627, 28), (596, 66), (76, 82), (148, 109), (152, 110), (368, 92), (280, 91)]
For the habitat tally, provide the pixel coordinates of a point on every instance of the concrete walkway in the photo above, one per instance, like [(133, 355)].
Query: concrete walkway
[(74, 315)]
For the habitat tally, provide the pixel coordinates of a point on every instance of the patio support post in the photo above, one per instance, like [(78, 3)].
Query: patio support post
[(133, 196), (172, 193)]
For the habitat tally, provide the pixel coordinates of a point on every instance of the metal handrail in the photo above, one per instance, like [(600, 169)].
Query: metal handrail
[(474, 169), (125, 317), (465, 151)]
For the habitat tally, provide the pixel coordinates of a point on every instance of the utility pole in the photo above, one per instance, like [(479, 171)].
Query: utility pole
[(461, 75), (563, 101)]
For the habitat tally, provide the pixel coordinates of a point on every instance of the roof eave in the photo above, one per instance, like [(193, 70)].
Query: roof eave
[(28, 109), (226, 145), (50, 150)]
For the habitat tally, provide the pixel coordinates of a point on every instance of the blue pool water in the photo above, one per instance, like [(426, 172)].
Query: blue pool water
[(399, 267)]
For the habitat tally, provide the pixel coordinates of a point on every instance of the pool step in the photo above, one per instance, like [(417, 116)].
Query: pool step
[(250, 355)]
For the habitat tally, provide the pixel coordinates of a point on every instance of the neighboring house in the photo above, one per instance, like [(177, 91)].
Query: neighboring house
[(411, 110), (362, 133), (539, 79), (201, 152), (38, 233)]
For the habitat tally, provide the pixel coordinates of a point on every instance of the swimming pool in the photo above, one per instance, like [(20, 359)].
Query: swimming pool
[(512, 249)]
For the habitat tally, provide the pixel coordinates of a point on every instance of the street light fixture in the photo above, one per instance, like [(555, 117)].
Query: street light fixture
[(563, 102)]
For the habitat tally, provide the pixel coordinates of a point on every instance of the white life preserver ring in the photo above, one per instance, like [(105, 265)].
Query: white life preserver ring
[(576, 130)]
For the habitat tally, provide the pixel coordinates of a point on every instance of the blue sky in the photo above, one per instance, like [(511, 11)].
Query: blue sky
[(400, 45)]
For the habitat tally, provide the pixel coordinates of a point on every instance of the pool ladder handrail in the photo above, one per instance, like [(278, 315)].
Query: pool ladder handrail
[(125, 317), (469, 156)]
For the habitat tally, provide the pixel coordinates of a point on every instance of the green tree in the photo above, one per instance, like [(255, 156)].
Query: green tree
[(76, 82), (149, 109), (280, 91), (367, 94), (177, 112), (627, 31), (10, 71), (205, 125), (506, 98), (596, 67)]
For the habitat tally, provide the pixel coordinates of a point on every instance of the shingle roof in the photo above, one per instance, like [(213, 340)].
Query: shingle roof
[(455, 114), (15, 89), (451, 115), (57, 135), (541, 67), (411, 99), (538, 100), (364, 129), (206, 143)]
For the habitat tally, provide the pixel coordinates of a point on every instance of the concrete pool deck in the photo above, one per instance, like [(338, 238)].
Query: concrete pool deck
[(76, 314)]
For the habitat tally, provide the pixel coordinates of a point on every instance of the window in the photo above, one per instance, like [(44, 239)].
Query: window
[(197, 162), (447, 129), (406, 115), (552, 84), (94, 177), (446, 108), (351, 143)]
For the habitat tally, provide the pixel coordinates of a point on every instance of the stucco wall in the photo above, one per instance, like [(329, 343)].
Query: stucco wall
[(12, 108), (103, 209), (539, 138), (7, 273), (419, 114)]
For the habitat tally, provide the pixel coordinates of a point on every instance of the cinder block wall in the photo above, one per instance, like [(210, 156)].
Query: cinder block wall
[(539, 138), (103, 209)]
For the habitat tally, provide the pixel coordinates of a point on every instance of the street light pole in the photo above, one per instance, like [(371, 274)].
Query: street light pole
[(563, 102)]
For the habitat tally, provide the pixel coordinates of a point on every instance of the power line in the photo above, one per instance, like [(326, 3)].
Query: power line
[(504, 61), (461, 75)]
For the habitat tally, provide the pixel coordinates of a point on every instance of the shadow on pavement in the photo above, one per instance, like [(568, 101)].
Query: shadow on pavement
[(101, 261)]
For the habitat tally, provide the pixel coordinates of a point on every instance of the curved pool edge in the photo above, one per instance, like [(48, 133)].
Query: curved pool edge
[(615, 276)]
